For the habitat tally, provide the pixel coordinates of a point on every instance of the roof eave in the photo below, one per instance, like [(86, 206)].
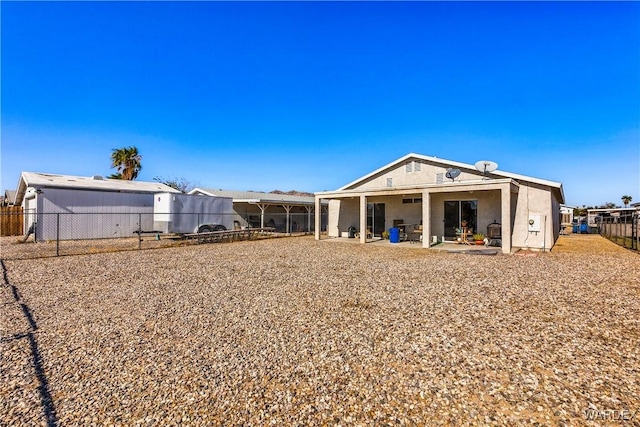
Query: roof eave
[(419, 187), (515, 176)]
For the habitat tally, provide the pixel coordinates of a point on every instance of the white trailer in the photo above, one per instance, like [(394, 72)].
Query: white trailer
[(187, 213)]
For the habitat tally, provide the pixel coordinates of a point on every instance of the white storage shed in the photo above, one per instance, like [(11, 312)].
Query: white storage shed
[(72, 207)]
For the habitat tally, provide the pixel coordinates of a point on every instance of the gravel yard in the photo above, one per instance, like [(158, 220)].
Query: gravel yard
[(297, 332)]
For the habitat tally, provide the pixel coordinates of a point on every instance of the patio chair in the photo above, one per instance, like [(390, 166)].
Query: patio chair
[(416, 233)]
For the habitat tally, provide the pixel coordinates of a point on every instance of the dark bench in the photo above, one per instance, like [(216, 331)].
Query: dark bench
[(141, 232)]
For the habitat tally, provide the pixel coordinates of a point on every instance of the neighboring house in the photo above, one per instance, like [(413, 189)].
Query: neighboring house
[(9, 198), (596, 216), (88, 207), (286, 213), (415, 190), (566, 214), (11, 218)]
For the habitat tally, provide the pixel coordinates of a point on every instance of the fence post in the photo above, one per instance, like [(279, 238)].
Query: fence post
[(618, 233), (626, 221), (140, 229), (58, 234), (637, 225)]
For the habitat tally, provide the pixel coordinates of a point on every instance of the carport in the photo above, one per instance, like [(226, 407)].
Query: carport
[(269, 207)]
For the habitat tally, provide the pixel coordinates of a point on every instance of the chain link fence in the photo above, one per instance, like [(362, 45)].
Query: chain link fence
[(622, 230), (58, 234)]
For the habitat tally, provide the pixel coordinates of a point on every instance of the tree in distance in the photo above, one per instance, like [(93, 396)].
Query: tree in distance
[(127, 161), (179, 184)]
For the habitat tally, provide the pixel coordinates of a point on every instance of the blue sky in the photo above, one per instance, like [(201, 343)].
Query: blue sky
[(312, 95)]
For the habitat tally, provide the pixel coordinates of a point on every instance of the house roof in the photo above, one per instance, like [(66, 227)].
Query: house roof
[(454, 164), (9, 196), (97, 183), (256, 196)]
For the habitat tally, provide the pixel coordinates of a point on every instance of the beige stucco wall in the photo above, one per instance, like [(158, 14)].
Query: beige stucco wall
[(394, 209), (427, 175), (488, 209), (345, 212), (533, 200)]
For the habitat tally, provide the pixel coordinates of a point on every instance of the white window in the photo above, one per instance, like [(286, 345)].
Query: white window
[(389, 182), (416, 166), (409, 167), (439, 178)]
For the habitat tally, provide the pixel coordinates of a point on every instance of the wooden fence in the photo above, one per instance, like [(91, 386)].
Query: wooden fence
[(11, 221)]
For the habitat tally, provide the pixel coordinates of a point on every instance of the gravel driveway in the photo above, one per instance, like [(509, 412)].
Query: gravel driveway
[(297, 332)]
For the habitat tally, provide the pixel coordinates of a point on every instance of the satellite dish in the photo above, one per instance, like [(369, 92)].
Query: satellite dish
[(452, 174), (485, 166)]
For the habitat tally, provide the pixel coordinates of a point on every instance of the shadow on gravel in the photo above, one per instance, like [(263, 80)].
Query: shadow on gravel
[(36, 358)]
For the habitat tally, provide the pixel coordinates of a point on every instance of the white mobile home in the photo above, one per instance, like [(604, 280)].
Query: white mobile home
[(72, 207)]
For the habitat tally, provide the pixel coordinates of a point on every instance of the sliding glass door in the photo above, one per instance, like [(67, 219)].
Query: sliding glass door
[(375, 218), (457, 211)]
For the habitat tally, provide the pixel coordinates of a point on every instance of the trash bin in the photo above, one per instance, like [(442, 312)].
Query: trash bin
[(394, 235), (352, 232), (575, 229), (584, 228)]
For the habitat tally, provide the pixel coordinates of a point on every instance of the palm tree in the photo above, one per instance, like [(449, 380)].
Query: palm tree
[(127, 161), (626, 200)]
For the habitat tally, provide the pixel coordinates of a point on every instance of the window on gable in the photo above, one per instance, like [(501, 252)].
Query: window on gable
[(439, 178), (389, 182), (408, 166), (416, 166)]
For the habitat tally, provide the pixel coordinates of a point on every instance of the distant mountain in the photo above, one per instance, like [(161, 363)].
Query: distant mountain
[(292, 193)]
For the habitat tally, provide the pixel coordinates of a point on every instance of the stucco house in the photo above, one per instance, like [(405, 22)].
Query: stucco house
[(415, 189)]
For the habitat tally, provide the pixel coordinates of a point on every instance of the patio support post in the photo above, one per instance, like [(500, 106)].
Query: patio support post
[(505, 193), (426, 219), (363, 219), (317, 218)]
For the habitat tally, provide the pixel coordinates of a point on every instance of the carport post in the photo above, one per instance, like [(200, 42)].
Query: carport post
[(309, 210), (262, 208), (317, 219), (288, 209)]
